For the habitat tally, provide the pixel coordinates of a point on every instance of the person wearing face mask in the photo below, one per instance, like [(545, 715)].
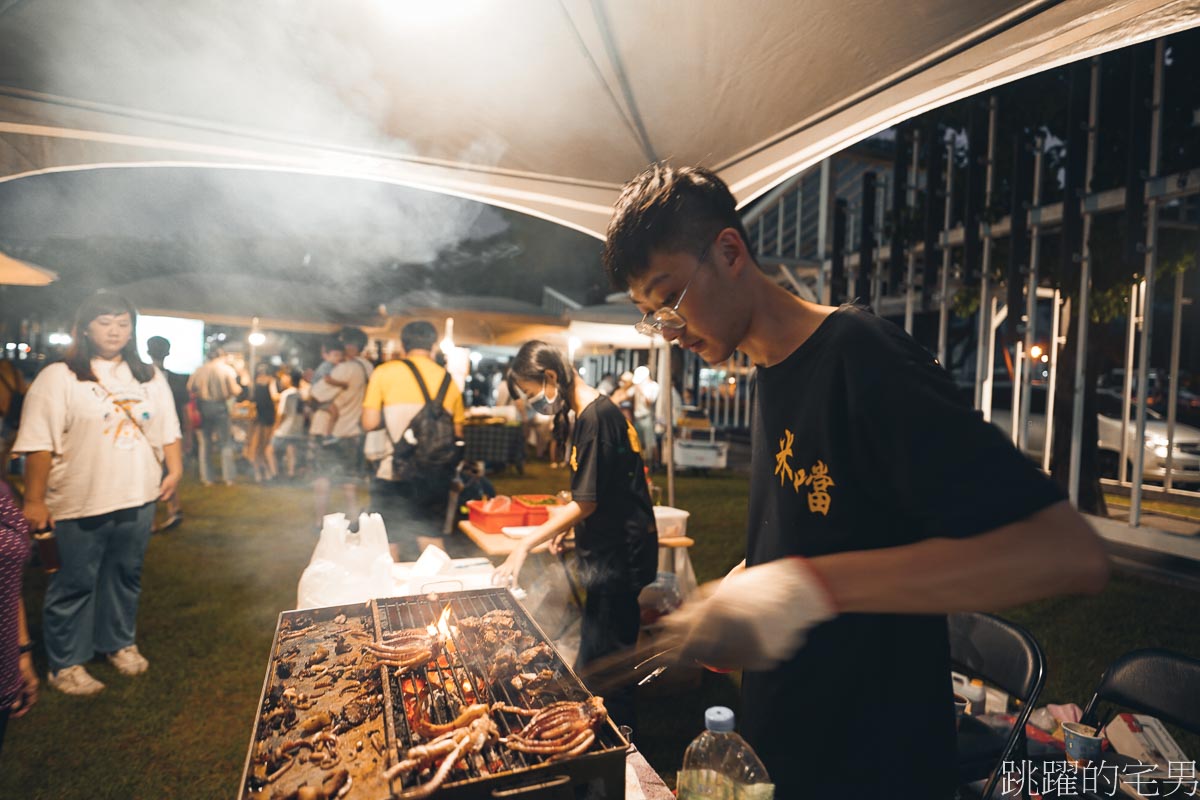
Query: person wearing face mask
[(616, 542), (102, 444)]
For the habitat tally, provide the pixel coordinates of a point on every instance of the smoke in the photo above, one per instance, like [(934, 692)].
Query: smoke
[(308, 71), (268, 64)]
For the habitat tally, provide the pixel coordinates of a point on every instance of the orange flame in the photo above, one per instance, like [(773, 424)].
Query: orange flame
[(443, 627)]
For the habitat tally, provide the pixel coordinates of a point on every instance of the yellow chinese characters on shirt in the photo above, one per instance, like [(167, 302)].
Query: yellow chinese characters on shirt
[(816, 477), (634, 443)]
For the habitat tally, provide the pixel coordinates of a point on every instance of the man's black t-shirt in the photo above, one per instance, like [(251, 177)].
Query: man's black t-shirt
[(179, 392), (617, 546), (862, 441)]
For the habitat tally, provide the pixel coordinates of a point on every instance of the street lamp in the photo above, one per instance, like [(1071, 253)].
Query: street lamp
[(256, 339)]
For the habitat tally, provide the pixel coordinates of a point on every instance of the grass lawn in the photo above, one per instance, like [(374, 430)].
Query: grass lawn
[(1149, 504), (212, 590)]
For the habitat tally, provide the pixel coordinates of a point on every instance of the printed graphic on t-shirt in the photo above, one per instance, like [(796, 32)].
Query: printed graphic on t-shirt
[(634, 442), (122, 408), (816, 477)]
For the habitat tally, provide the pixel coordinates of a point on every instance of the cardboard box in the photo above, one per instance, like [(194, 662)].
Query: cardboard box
[(1144, 739)]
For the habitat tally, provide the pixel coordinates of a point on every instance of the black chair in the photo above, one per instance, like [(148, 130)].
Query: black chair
[(1152, 681), (1007, 656)]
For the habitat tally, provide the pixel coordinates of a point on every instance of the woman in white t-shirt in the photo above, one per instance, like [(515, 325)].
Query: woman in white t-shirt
[(102, 445)]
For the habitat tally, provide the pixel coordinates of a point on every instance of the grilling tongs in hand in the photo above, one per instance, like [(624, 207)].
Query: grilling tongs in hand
[(638, 665)]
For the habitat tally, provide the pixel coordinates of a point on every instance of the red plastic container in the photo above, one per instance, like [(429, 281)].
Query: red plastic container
[(535, 506), (493, 521)]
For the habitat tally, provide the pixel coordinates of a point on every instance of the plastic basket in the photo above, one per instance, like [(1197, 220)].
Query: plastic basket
[(535, 507), (494, 521)]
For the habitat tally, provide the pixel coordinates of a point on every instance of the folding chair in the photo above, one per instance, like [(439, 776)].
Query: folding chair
[(1006, 655), (1152, 681)]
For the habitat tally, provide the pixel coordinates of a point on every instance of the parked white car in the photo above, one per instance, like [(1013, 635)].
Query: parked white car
[(1185, 460)]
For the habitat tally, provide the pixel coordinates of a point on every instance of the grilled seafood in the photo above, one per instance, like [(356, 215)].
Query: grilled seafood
[(533, 682), (405, 650), (445, 750), (430, 730), (335, 785), (559, 730), (512, 655)]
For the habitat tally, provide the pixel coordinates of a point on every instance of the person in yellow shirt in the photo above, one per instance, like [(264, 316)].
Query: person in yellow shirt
[(412, 511)]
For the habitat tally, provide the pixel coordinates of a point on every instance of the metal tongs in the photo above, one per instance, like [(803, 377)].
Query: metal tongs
[(638, 666)]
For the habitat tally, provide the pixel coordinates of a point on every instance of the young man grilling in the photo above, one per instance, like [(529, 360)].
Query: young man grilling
[(879, 502)]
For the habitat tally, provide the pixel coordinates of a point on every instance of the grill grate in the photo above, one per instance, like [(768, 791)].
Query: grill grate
[(458, 677)]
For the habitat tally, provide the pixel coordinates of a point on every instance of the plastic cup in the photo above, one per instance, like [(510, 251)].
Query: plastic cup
[(627, 734), (1083, 743), (960, 708)]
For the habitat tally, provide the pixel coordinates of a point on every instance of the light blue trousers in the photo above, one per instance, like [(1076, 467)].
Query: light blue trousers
[(214, 426), (92, 601)]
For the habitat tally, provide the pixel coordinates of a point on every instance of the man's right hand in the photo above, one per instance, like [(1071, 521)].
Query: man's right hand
[(38, 515)]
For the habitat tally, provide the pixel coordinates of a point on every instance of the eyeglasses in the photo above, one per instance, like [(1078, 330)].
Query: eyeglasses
[(668, 319)]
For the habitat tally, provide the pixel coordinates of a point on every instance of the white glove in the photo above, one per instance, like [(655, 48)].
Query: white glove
[(755, 619)]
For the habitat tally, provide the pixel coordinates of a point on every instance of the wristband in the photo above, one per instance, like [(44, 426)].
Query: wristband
[(25, 648)]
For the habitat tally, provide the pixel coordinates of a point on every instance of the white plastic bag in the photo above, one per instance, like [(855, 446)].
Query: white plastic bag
[(347, 567)]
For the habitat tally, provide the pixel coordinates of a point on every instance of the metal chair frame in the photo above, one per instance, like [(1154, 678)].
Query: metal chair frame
[(1014, 662), (1153, 681)]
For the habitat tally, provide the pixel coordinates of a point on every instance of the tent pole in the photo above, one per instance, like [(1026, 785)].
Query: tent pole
[(1139, 465), (824, 229), (986, 273), (911, 272), (944, 299), (1085, 288), (1055, 340), (669, 438), (1173, 377), (1135, 321), (1031, 297)]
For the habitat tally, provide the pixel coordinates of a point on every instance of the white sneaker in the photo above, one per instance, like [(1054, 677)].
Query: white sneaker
[(75, 680), (129, 661)]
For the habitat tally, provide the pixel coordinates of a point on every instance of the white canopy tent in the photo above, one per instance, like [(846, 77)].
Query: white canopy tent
[(543, 107)]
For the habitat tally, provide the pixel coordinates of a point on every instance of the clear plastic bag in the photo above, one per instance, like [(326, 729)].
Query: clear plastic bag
[(347, 567)]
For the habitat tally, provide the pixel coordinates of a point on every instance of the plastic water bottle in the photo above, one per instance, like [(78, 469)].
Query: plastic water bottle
[(719, 765)]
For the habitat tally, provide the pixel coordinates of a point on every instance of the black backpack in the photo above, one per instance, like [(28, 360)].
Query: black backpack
[(429, 450)]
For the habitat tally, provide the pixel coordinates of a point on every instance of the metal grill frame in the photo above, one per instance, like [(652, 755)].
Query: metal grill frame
[(600, 772)]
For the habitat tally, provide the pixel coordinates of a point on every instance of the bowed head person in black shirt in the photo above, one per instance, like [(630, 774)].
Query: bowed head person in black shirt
[(616, 542), (879, 502)]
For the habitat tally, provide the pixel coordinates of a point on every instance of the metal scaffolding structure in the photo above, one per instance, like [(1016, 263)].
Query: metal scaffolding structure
[(805, 250)]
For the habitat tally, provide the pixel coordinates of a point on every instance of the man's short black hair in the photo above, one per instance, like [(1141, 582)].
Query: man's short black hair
[(332, 344), (666, 210), (353, 337), (418, 335), (158, 347)]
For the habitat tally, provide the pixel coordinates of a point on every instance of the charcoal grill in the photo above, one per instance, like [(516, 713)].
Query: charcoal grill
[(457, 679)]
